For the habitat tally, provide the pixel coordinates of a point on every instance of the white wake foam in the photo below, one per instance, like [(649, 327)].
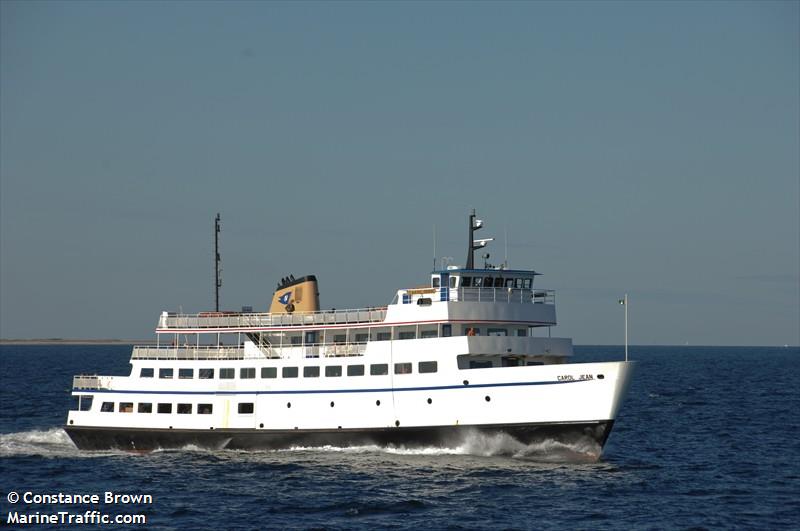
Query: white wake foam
[(49, 443)]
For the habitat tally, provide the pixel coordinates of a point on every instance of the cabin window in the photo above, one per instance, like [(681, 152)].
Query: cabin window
[(126, 407), (269, 372), (165, 408), (85, 402), (146, 373), (145, 407), (204, 409), (466, 282), (522, 332), (480, 364), (447, 330), (311, 372), (296, 340), (427, 334), (184, 409), (408, 334), (245, 408), (227, 374), (355, 370), (311, 337), (107, 407), (384, 336), (247, 373), (289, 372), (402, 368), (165, 373), (185, 374), (333, 370), (428, 366), (435, 282), (508, 361), (496, 332), (206, 374), (362, 338), (340, 339), (472, 331), (378, 369)]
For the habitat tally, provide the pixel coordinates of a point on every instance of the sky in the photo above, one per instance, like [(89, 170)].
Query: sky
[(647, 148)]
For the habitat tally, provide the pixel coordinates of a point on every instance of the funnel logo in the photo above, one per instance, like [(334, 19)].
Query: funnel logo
[(284, 299)]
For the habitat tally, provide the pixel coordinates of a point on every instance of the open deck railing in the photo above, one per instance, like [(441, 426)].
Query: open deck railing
[(499, 294), (187, 353), (86, 381), (259, 320)]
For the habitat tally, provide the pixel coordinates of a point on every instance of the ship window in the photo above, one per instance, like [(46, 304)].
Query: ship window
[(184, 409), (480, 364), (472, 331), (447, 330), (498, 282), (146, 373), (165, 408), (477, 282), (107, 407), (206, 374), (289, 372), (428, 366), (496, 332), (296, 340), (126, 407), (269, 372), (402, 368), (526, 283), (311, 372), (453, 282), (145, 407), (340, 339), (539, 363), (378, 369), (165, 373), (522, 332), (333, 370), (355, 370), (509, 282), (384, 336), (185, 374), (245, 408), (204, 409), (435, 282), (509, 361), (488, 282), (311, 337), (426, 334), (466, 282), (408, 334), (518, 283), (362, 338), (247, 373), (85, 402), (227, 374)]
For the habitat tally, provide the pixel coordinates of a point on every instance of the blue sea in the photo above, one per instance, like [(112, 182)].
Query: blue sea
[(708, 438)]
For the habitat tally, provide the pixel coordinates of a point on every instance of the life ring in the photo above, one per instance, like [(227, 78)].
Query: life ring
[(289, 308)]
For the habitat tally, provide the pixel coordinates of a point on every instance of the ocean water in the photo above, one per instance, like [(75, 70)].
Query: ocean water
[(709, 437)]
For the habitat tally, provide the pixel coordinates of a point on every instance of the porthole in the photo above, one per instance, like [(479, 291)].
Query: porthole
[(72, 422), (170, 427), (377, 402), (340, 427), (331, 403), (261, 425), (430, 401), (211, 428), (600, 376), (466, 382), (488, 398), (288, 404), (397, 423)]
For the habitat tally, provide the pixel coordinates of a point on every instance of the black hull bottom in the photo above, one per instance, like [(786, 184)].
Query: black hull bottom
[(144, 439)]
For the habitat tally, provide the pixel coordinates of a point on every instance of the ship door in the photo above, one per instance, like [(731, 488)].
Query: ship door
[(444, 290)]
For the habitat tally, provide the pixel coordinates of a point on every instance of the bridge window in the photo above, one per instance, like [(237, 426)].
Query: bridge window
[(509, 282), (466, 282), (527, 283), (435, 281), (498, 282)]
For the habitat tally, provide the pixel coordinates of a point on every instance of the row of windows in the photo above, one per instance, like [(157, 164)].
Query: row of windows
[(181, 409), (245, 373)]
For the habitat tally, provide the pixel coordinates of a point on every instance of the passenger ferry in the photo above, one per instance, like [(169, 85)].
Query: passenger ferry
[(469, 352)]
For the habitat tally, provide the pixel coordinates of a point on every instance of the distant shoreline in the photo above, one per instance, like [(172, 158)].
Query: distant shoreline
[(60, 341)]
